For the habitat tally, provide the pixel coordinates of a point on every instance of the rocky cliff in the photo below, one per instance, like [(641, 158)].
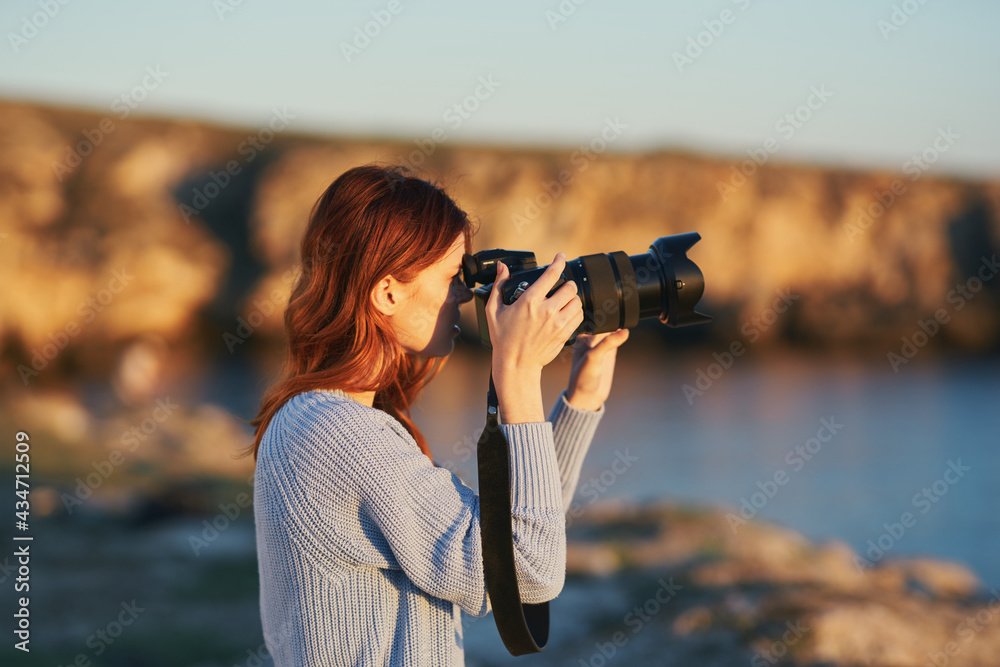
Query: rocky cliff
[(151, 234)]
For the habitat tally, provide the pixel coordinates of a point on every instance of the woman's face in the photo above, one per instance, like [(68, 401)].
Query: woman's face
[(425, 317)]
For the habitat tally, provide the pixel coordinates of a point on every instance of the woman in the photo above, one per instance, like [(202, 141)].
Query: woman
[(367, 550)]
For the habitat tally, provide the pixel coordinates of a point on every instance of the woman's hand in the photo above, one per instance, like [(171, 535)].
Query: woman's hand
[(593, 368), (528, 334)]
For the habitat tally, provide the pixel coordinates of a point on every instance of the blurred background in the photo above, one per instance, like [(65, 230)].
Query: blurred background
[(815, 468)]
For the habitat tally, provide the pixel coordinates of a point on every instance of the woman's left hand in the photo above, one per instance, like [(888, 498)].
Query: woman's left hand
[(593, 368)]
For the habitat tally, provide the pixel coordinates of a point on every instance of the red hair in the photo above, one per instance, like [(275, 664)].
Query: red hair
[(372, 221)]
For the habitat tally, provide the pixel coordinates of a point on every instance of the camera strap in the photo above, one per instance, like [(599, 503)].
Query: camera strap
[(524, 628)]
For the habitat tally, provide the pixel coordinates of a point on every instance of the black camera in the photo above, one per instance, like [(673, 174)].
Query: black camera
[(617, 290)]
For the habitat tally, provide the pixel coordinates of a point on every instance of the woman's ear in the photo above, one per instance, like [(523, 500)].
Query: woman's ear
[(385, 295)]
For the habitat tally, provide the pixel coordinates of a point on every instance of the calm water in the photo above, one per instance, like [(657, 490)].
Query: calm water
[(892, 436), (896, 434)]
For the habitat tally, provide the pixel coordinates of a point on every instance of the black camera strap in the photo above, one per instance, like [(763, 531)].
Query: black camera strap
[(524, 628)]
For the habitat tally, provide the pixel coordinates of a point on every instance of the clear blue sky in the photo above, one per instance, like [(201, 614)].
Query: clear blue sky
[(891, 91)]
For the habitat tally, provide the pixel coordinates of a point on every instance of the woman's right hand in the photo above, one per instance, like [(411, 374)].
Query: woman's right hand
[(529, 333)]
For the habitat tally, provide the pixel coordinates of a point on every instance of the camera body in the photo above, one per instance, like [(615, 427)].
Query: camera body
[(617, 290)]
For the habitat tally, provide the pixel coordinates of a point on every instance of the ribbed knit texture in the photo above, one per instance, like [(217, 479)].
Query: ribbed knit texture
[(367, 552)]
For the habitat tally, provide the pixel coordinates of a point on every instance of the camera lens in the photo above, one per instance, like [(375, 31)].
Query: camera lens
[(618, 290)]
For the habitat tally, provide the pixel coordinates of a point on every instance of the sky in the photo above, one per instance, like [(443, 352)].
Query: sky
[(856, 83)]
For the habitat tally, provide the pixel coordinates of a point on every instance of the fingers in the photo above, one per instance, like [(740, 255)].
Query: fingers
[(565, 303), (613, 340), (549, 277), (571, 325), (601, 343), (543, 322), (496, 296), (565, 300)]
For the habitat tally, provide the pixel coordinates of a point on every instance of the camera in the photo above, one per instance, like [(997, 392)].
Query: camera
[(617, 289)]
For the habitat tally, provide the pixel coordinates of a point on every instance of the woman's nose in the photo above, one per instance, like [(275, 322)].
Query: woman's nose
[(462, 294)]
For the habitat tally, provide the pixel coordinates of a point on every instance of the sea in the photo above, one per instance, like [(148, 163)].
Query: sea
[(895, 461)]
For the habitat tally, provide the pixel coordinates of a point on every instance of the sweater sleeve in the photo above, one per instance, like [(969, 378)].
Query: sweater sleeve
[(430, 518), (572, 432)]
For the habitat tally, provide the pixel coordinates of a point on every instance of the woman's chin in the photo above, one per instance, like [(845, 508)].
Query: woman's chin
[(449, 347), (442, 350)]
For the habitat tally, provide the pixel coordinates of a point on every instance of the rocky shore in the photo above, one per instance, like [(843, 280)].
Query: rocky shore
[(657, 584), (692, 589)]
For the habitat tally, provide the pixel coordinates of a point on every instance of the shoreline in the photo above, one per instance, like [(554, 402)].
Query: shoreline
[(654, 583)]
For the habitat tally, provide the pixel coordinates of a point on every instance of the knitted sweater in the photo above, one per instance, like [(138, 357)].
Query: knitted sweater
[(367, 551)]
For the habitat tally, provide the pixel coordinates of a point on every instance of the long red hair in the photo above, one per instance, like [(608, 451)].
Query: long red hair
[(370, 222)]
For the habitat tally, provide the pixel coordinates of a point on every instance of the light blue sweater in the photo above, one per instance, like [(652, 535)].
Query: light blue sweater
[(367, 551)]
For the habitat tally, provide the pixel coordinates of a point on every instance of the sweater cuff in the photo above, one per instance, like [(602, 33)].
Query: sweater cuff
[(575, 414), (534, 470), (572, 431)]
